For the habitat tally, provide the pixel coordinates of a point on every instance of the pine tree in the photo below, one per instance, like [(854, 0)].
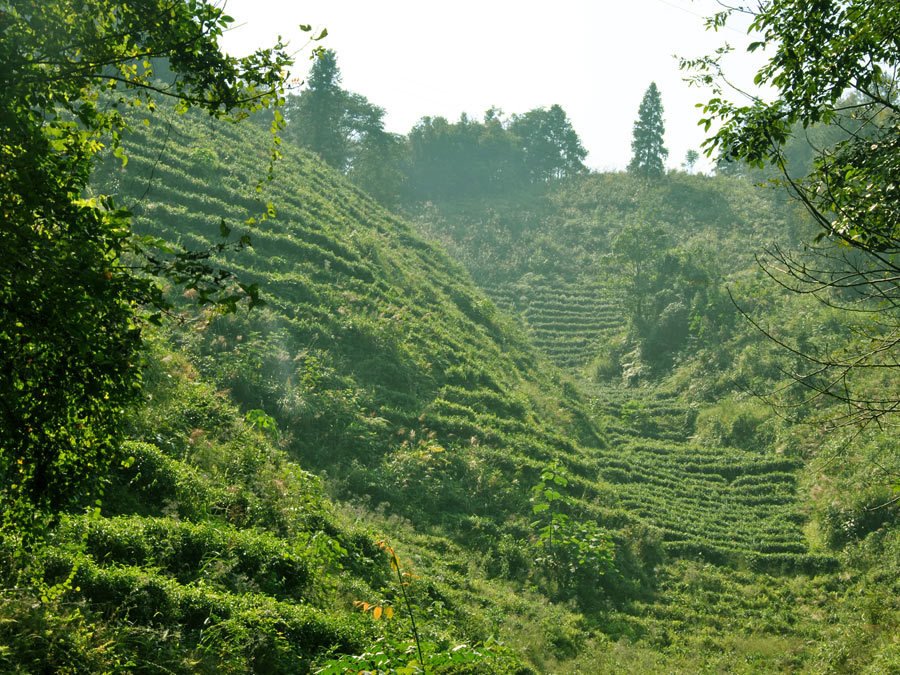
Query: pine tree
[(344, 129), (648, 152)]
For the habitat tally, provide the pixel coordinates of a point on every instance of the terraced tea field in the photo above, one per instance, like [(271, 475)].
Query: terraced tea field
[(716, 504), (158, 571), (425, 384), (565, 321), (721, 505), (740, 620)]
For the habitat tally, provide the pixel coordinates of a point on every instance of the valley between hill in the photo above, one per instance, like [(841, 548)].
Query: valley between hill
[(571, 488)]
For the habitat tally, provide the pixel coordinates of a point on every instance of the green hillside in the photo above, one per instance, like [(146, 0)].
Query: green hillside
[(677, 543), (730, 482), (284, 392), (214, 552), (376, 363), (374, 350), (546, 254)]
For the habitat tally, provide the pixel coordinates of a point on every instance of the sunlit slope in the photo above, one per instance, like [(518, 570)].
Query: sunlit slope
[(564, 320), (723, 505), (549, 260), (212, 552), (378, 358)]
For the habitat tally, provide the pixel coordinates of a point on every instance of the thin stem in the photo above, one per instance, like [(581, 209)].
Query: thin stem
[(412, 618)]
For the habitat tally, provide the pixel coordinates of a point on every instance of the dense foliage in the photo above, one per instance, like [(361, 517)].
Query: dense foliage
[(437, 159), (365, 357), (466, 158), (70, 304)]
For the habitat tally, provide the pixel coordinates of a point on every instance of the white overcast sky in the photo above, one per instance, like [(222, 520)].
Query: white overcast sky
[(432, 57)]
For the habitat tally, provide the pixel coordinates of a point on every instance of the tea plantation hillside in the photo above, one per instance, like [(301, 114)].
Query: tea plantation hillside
[(564, 320), (214, 552), (550, 255), (379, 400), (377, 363), (374, 362), (378, 359), (735, 486), (720, 504)]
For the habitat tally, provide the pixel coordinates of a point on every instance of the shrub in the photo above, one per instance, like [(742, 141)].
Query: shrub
[(745, 424)]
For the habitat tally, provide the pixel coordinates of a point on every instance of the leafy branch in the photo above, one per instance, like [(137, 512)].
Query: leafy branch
[(568, 546)]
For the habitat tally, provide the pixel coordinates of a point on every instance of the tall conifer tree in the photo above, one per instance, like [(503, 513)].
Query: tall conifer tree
[(648, 151)]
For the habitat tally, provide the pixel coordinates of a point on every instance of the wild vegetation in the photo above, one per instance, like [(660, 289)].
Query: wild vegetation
[(291, 434)]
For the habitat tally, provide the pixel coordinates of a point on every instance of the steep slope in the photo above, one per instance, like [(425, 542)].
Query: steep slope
[(765, 516), (375, 361), (374, 349), (537, 520), (213, 552)]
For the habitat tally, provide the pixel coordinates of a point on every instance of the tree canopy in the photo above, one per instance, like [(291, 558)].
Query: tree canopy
[(345, 130), (835, 64), (550, 145), (318, 117), (648, 151), (76, 284), (469, 157), (437, 158)]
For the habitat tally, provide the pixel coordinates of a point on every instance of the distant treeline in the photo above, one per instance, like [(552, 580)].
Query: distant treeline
[(469, 158), (438, 159)]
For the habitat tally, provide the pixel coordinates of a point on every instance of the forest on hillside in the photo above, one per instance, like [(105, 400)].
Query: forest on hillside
[(285, 392)]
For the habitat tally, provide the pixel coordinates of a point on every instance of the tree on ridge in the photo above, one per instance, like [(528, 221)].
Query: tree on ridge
[(317, 117), (648, 151), (550, 144)]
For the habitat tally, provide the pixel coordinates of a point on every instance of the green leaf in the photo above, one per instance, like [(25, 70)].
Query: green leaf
[(120, 153)]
